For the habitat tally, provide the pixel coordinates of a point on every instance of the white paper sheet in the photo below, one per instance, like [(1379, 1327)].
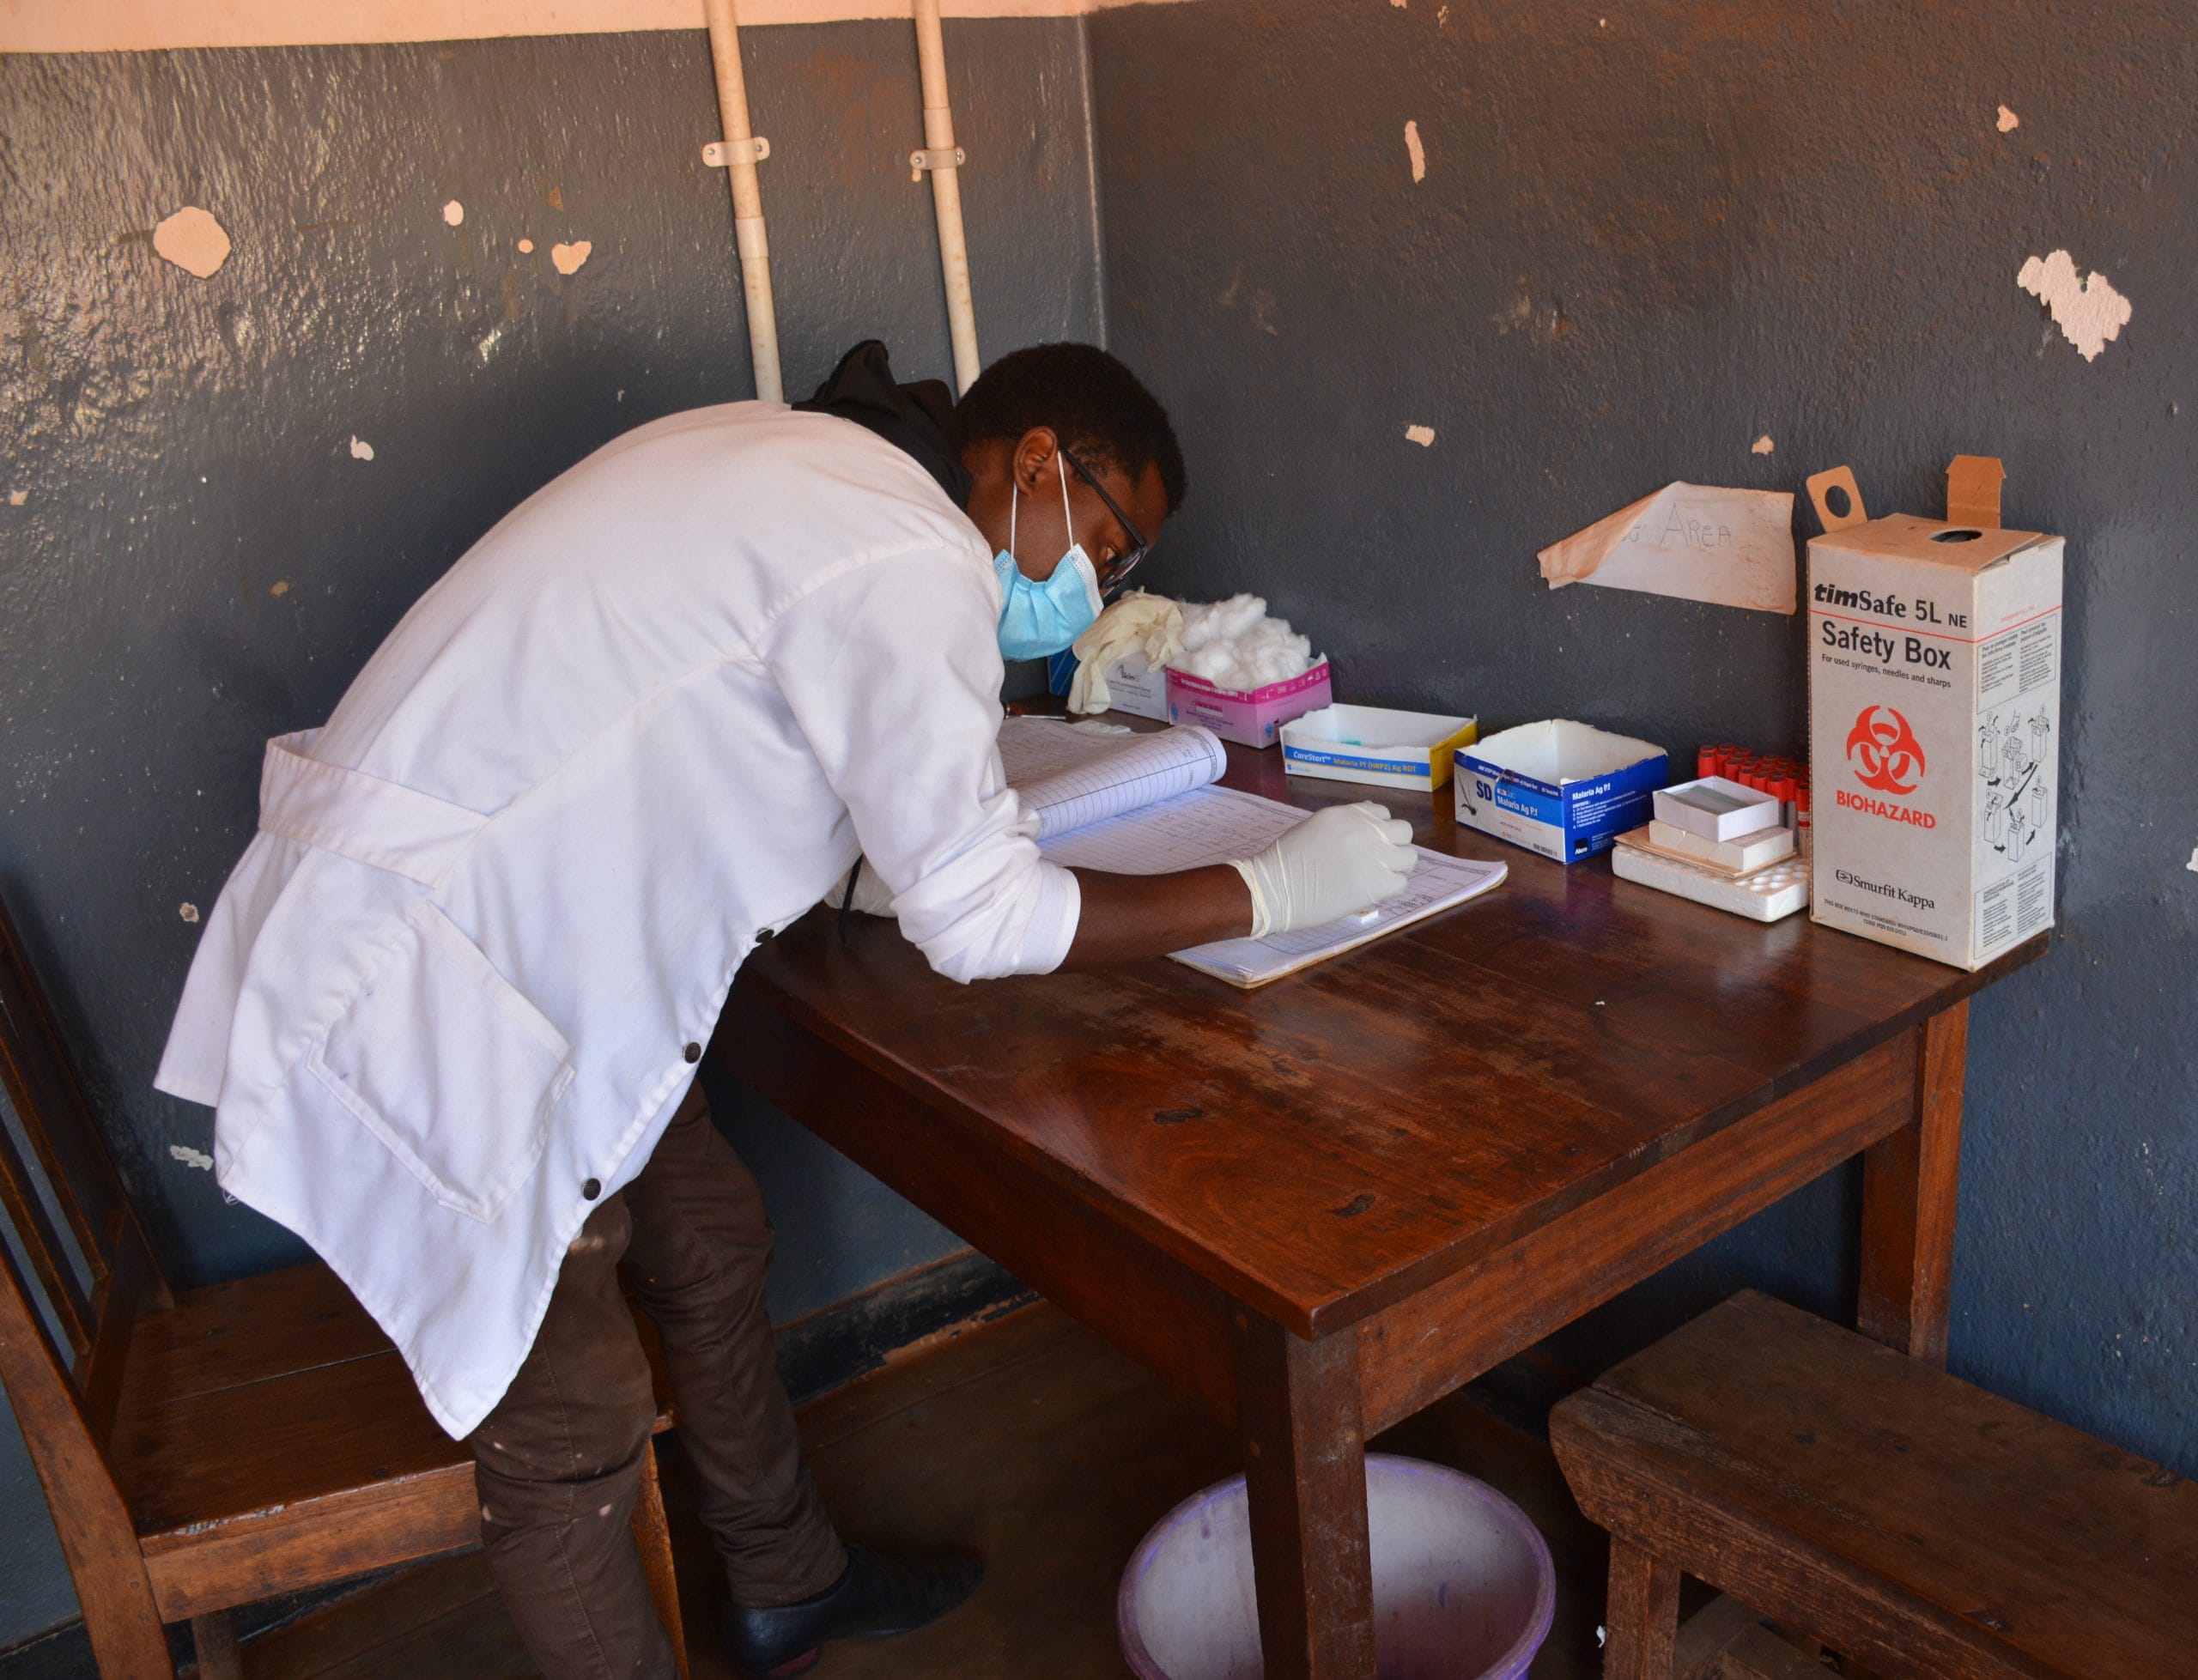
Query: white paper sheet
[(1697, 542), (1211, 825)]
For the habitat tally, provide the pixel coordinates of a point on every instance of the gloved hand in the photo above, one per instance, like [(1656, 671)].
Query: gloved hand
[(1335, 863), (872, 896)]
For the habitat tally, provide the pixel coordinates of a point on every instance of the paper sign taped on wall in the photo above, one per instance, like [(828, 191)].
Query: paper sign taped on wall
[(1695, 542)]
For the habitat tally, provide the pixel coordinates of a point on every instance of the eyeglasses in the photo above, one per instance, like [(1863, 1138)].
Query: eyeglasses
[(1119, 571)]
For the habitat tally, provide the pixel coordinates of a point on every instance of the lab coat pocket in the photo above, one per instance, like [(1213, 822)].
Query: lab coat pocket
[(441, 1058)]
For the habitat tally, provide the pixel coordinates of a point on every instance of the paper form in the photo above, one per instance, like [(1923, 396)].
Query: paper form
[(1212, 825), (1439, 882), (1072, 775)]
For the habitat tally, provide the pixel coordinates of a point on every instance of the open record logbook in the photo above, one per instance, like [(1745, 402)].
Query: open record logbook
[(1145, 805)]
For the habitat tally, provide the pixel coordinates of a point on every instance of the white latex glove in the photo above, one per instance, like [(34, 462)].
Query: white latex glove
[(872, 896), (1149, 624), (1336, 863)]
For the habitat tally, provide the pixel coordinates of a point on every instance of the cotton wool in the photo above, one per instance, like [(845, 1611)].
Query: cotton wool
[(1233, 643)]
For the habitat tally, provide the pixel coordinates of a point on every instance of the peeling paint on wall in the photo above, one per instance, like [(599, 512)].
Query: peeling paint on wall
[(2088, 311), (527, 247), (193, 240), (17, 497), (2008, 121), (1415, 152), (1655, 191), (567, 258), (361, 450), (137, 669), (1422, 435), (1762, 446), (453, 213), (281, 587)]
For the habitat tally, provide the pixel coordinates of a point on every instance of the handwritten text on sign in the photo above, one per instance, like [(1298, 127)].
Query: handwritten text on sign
[(1696, 542)]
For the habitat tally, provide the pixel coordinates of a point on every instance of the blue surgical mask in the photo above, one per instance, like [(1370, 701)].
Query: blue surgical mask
[(1037, 620)]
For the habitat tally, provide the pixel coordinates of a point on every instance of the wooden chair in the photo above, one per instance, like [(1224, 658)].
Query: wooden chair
[(1867, 1500), (206, 1449)]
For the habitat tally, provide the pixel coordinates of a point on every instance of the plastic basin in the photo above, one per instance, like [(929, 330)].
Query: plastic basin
[(1463, 1585)]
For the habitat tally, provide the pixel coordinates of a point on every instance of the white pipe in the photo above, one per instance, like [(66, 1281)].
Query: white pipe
[(946, 195), (747, 201)]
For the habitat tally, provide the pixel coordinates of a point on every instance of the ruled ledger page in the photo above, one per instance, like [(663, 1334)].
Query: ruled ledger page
[(1142, 805), (1074, 774)]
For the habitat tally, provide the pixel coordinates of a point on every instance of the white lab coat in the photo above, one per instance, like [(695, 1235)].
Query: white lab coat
[(459, 980)]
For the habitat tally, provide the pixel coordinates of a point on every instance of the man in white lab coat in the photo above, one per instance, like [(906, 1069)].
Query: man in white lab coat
[(450, 1004)]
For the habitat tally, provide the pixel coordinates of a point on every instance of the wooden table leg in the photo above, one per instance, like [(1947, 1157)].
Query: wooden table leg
[(1305, 1470), (214, 1639), (1909, 1181), (1640, 1624)]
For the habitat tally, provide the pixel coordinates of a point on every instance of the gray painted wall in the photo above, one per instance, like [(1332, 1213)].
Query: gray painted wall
[(1648, 235), (1638, 247), (200, 562)]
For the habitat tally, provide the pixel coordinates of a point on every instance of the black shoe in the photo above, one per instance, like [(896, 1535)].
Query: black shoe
[(875, 1597)]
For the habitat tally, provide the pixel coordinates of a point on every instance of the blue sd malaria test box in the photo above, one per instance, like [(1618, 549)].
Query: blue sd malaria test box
[(1559, 788)]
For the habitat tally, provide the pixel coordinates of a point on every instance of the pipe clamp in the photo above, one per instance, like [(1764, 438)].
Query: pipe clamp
[(941, 158), (719, 153)]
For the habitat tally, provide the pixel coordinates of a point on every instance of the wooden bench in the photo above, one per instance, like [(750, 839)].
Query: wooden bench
[(1911, 1522)]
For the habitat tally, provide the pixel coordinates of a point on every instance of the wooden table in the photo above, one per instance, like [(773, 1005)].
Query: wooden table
[(1320, 1206)]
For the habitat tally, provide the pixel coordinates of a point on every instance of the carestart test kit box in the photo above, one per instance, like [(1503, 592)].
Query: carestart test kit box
[(1410, 750), (1934, 723)]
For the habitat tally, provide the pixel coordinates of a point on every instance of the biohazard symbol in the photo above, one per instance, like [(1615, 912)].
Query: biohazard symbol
[(1885, 752)]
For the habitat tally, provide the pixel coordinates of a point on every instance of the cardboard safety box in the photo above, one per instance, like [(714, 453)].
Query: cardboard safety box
[(1934, 722)]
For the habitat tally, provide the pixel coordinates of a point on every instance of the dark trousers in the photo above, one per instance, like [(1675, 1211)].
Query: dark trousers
[(558, 1461)]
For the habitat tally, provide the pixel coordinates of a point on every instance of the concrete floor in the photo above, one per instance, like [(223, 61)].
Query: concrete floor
[(1027, 1442)]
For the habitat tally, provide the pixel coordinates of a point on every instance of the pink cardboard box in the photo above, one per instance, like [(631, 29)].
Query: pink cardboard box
[(1253, 717)]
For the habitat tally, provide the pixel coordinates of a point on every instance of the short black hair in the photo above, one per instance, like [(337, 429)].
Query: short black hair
[(1092, 402)]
